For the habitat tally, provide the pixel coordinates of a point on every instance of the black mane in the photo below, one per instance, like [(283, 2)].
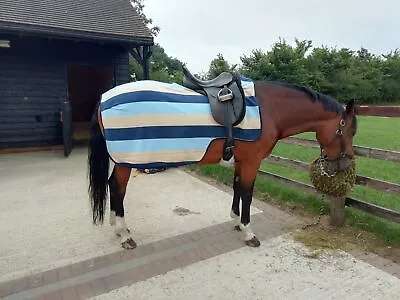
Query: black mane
[(328, 102)]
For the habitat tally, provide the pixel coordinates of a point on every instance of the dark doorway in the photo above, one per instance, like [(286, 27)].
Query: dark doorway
[(85, 85)]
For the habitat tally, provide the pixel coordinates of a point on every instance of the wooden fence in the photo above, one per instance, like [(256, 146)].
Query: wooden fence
[(339, 204)]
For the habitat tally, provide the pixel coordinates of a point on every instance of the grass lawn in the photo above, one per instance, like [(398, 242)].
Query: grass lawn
[(376, 132)]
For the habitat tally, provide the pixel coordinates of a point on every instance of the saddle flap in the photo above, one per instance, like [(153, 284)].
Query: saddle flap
[(229, 112)]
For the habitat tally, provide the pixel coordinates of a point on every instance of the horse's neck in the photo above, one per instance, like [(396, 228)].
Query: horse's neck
[(294, 116)]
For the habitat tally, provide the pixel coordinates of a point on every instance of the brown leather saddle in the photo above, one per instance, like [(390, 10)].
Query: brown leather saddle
[(227, 101)]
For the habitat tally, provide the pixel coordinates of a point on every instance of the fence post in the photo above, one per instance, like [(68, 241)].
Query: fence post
[(337, 211)]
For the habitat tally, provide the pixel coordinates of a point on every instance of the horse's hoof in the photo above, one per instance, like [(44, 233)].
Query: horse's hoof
[(254, 242), (237, 228), (129, 244), (127, 230)]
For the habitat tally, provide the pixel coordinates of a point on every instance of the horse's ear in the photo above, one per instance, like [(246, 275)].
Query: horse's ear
[(350, 107)]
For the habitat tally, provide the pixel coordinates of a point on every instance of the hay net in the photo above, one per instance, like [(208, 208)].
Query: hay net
[(337, 184)]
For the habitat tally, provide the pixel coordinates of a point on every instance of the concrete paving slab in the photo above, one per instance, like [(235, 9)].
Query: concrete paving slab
[(45, 220), (280, 269)]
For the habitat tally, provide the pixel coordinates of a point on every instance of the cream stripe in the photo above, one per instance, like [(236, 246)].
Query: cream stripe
[(249, 92), (147, 85), (250, 123), (171, 120), (157, 120), (162, 156)]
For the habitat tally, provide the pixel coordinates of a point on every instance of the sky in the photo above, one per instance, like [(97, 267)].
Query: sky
[(196, 31)]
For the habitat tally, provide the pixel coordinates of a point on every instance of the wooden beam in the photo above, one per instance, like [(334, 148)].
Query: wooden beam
[(281, 179), (142, 55), (373, 183), (146, 62), (374, 209), (377, 153), (377, 184), (137, 57), (337, 216), (149, 52), (337, 211), (299, 165), (378, 111)]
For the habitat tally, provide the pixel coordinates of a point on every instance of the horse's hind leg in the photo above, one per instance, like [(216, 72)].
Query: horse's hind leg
[(112, 200), (118, 183), (235, 211)]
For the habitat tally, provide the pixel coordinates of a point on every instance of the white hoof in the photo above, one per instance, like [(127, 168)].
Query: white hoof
[(233, 215), (248, 233), (236, 219), (124, 233)]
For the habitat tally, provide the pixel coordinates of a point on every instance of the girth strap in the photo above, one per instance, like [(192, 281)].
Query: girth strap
[(227, 102)]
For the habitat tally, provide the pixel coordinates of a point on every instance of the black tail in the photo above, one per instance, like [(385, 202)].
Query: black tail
[(98, 165)]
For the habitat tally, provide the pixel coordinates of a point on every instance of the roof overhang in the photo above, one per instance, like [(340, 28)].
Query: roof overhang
[(61, 33)]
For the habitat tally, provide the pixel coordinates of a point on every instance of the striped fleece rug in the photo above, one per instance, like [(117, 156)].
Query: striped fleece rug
[(151, 124)]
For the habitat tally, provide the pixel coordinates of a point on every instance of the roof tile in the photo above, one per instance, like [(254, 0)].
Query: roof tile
[(109, 17)]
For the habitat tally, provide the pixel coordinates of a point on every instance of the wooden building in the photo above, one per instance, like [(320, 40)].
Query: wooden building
[(62, 55)]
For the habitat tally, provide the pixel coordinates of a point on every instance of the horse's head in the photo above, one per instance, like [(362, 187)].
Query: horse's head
[(336, 139)]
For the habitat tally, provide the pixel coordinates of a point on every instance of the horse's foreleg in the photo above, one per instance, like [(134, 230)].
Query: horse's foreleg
[(250, 238), (235, 211), (118, 183), (248, 175)]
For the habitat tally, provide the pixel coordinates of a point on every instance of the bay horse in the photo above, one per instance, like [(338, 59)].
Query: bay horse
[(285, 109)]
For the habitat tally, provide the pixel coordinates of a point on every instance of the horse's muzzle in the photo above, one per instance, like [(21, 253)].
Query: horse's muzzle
[(338, 165)]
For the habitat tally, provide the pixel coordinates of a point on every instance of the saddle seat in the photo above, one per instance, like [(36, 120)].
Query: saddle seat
[(222, 79), (226, 98)]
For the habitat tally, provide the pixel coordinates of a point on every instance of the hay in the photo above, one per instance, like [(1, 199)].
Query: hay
[(339, 185)]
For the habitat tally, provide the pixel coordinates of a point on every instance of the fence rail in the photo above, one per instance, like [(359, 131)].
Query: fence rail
[(339, 204), (358, 150), (378, 111), (376, 184)]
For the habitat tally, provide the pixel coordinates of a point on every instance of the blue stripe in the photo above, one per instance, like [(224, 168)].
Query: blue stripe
[(165, 132), (140, 146), (143, 108), (252, 112), (245, 79), (251, 101), (158, 165), (151, 96)]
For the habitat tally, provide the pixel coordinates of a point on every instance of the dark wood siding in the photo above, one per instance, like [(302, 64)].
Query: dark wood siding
[(33, 85), (122, 67)]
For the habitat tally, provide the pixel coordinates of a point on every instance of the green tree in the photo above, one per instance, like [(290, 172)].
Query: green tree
[(139, 6), (162, 67), (390, 69), (256, 66), (283, 62), (342, 73), (217, 66)]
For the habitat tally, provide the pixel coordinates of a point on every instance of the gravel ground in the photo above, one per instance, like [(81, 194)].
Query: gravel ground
[(45, 220), (280, 269)]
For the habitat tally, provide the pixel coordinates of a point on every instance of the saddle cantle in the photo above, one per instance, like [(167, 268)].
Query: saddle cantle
[(227, 101)]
